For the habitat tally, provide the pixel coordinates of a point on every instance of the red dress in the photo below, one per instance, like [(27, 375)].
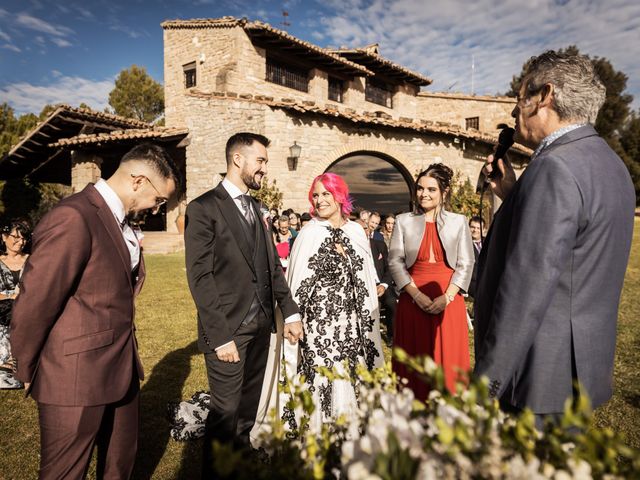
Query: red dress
[(444, 337)]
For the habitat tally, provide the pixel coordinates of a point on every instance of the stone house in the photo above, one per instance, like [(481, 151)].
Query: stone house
[(226, 75)]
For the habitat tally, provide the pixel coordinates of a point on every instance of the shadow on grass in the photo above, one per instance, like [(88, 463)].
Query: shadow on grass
[(164, 385)]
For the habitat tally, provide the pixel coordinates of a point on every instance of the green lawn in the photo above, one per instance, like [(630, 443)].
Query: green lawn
[(175, 370)]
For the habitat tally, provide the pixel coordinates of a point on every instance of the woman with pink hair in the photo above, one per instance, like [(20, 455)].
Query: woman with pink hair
[(333, 280)]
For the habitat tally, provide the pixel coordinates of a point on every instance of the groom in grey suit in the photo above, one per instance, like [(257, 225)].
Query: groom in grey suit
[(552, 266)]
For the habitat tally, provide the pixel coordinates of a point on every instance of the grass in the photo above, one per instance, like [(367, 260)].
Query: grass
[(175, 370)]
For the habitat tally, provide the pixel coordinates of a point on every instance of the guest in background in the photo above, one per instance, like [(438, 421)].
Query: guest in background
[(387, 228), (476, 227), (15, 238), (386, 293), (431, 261), (294, 222), (304, 219), (283, 238), (372, 226)]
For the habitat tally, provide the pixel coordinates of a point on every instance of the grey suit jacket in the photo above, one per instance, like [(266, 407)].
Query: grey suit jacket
[(550, 275), (455, 237)]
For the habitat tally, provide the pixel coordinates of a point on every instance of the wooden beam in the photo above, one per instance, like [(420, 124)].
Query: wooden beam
[(93, 124)]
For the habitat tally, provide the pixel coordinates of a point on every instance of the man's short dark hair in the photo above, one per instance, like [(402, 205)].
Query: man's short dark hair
[(375, 214), (476, 219), (243, 139), (159, 159), (305, 217)]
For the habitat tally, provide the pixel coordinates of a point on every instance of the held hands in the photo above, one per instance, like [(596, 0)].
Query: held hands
[(438, 305), (228, 353), (380, 288), (422, 301), (502, 185), (293, 332)]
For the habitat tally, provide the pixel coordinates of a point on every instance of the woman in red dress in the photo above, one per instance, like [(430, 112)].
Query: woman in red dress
[(431, 261)]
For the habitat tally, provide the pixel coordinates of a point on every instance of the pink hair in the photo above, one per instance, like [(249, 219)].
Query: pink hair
[(338, 188)]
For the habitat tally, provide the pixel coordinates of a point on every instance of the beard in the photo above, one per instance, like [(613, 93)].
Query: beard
[(249, 179), (136, 218)]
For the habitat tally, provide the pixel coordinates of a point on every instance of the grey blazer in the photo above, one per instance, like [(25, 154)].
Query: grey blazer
[(455, 237), (550, 275)]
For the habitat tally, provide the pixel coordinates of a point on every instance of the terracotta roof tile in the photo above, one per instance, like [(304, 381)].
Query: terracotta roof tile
[(375, 118), (119, 135), (257, 26), (372, 59)]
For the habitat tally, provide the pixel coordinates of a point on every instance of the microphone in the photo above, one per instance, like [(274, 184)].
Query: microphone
[(505, 140)]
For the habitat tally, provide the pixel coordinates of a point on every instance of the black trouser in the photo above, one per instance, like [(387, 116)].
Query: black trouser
[(235, 388), (388, 301)]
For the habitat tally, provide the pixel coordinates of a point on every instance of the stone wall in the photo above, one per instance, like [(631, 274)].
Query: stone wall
[(227, 61), (455, 108), (85, 169), (323, 140)]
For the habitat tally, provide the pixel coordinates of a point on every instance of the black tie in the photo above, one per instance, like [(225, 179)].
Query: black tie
[(246, 210)]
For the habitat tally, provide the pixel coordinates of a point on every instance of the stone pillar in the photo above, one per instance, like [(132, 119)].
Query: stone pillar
[(85, 169), (354, 94), (319, 86)]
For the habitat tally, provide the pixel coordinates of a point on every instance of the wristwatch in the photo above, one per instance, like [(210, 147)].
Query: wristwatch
[(449, 297)]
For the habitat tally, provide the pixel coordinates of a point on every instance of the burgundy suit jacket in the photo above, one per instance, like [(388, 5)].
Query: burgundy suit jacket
[(72, 329)]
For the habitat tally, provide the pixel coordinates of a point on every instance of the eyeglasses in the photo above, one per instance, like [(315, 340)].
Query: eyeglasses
[(160, 200)]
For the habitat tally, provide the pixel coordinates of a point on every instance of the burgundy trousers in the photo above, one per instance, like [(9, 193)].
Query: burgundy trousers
[(68, 435)]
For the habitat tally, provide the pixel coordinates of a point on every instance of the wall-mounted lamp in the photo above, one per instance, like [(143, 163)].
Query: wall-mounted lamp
[(294, 155)]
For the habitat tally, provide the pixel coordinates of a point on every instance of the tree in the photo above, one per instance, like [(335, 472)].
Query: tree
[(630, 143), (270, 195), (137, 95)]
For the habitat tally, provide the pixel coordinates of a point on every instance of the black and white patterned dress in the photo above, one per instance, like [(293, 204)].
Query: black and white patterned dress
[(336, 293)]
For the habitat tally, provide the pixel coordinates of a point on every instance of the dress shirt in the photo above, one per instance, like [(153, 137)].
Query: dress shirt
[(549, 139), (235, 193), (131, 240)]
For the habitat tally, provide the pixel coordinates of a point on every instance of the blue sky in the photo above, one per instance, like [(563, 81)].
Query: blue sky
[(71, 51)]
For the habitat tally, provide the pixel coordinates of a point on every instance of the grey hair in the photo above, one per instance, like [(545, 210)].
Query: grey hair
[(579, 92)]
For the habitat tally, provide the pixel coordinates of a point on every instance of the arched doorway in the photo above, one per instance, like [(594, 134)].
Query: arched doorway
[(376, 182)]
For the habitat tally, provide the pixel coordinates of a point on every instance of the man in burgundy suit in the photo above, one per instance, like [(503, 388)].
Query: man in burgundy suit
[(72, 324)]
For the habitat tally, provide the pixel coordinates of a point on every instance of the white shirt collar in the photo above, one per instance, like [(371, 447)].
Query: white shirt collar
[(232, 189), (111, 198)]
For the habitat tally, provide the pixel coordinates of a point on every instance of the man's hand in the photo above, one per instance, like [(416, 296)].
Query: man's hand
[(228, 353), (380, 288), (502, 185), (293, 332), (437, 306)]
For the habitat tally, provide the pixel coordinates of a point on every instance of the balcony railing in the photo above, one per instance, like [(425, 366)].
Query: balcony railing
[(377, 93), (287, 76)]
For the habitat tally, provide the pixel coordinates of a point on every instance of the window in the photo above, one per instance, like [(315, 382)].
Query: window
[(287, 76), (336, 87), (378, 92), (189, 74), (472, 122)]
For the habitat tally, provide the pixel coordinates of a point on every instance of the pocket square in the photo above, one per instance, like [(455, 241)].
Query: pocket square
[(379, 256)]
